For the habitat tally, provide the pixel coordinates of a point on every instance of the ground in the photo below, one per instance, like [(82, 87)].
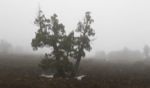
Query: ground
[(22, 71)]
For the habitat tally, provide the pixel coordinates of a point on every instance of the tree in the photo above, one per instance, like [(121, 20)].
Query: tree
[(82, 42), (5, 47), (146, 51), (51, 33)]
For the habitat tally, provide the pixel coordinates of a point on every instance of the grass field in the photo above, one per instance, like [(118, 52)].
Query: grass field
[(22, 71)]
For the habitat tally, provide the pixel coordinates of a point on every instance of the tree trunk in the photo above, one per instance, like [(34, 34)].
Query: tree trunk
[(59, 69), (76, 67), (56, 51)]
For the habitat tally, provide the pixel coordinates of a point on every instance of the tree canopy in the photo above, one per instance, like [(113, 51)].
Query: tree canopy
[(51, 33)]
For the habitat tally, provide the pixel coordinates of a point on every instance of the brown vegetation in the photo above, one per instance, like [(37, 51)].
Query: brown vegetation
[(22, 71)]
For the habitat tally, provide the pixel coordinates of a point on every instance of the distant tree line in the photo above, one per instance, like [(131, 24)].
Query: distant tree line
[(7, 48), (146, 52), (125, 55)]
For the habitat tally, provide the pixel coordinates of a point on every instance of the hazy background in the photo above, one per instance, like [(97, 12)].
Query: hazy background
[(118, 23)]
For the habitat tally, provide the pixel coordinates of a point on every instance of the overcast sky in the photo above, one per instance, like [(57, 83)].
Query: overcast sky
[(118, 23)]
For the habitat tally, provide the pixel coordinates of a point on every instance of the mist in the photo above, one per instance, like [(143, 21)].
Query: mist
[(117, 24), (119, 57)]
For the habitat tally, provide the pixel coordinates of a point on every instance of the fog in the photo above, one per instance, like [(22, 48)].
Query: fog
[(117, 23)]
